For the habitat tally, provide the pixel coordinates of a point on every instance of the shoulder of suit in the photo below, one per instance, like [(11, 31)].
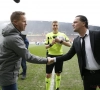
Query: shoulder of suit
[(94, 31), (76, 38)]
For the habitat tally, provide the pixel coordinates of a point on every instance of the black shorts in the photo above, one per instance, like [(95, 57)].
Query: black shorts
[(58, 66)]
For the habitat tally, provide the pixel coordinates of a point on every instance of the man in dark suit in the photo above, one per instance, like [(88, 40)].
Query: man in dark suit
[(89, 57)]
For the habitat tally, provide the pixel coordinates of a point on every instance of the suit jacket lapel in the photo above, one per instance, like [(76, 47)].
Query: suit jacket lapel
[(92, 40)]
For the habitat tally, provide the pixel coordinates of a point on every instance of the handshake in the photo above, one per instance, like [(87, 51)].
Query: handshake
[(51, 60)]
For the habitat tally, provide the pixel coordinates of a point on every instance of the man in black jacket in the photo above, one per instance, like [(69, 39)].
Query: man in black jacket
[(87, 48)]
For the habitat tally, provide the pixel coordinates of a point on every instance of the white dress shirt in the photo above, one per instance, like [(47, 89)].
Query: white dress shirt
[(91, 63)]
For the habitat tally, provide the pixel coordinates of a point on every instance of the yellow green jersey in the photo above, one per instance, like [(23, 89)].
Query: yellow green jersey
[(56, 49)]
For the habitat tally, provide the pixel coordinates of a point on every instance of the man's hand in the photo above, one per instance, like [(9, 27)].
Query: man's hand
[(53, 42), (50, 60), (57, 40)]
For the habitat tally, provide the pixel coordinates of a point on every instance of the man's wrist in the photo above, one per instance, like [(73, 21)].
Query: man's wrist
[(61, 42), (50, 45), (54, 59)]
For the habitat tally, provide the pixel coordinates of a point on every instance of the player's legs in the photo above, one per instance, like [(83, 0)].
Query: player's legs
[(24, 68), (49, 69), (58, 70)]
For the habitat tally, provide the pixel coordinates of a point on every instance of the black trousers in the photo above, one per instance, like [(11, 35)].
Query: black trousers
[(91, 79)]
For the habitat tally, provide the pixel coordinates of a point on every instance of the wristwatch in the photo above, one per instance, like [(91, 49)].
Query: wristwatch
[(50, 45)]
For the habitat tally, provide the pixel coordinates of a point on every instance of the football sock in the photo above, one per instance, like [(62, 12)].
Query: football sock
[(58, 79), (47, 80)]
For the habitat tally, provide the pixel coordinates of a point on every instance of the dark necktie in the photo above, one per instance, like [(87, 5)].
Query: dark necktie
[(83, 52)]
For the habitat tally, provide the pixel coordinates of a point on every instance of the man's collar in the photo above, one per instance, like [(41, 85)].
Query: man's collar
[(87, 33)]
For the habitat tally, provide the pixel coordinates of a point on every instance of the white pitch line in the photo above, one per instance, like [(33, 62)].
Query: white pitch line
[(52, 80)]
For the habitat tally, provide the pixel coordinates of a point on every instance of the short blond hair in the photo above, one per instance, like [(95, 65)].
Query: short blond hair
[(55, 22)]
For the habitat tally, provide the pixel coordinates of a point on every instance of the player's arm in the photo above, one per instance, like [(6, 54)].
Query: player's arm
[(66, 42), (50, 44)]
